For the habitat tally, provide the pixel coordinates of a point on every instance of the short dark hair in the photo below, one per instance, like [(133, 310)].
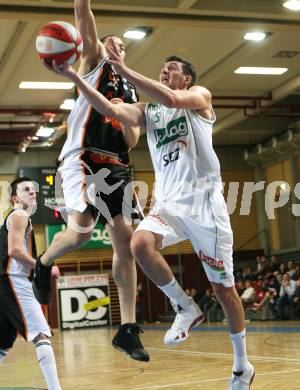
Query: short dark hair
[(187, 68), (14, 184)]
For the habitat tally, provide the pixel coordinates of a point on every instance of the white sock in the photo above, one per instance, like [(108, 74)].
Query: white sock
[(3, 354), (239, 349), (47, 363), (176, 293)]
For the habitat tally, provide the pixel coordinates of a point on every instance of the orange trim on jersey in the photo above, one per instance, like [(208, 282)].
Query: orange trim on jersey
[(8, 264), (90, 110), (17, 300), (115, 124), (30, 247), (103, 159), (30, 244)]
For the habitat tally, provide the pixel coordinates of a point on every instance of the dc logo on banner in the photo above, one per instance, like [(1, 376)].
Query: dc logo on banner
[(83, 307)]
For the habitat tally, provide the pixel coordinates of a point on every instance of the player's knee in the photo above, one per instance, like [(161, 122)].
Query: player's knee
[(77, 239), (122, 249), (140, 246), (39, 337), (224, 294)]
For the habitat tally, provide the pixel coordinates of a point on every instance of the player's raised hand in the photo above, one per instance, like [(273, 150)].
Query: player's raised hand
[(114, 57), (55, 273), (65, 69)]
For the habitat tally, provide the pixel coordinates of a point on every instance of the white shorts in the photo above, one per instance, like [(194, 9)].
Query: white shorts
[(29, 308), (105, 188), (209, 233), (71, 178)]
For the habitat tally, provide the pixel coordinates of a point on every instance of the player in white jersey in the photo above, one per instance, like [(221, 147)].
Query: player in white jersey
[(19, 310), (189, 200)]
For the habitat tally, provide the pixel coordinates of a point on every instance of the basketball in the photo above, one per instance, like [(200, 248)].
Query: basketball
[(59, 41)]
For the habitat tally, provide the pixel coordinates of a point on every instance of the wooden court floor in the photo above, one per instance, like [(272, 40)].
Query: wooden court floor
[(87, 361)]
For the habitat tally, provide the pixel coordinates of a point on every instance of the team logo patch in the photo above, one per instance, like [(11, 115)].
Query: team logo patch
[(175, 129), (216, 265)]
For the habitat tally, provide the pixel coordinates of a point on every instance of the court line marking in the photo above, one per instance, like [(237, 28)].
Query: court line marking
[(224, 329), (210, 380), (187, 352), (281, 359)]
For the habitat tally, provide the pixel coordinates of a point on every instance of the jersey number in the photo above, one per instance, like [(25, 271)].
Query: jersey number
[(171, 157)]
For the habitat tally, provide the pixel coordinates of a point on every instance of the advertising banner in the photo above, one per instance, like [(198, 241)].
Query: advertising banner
[(83, 301), (100, 238)]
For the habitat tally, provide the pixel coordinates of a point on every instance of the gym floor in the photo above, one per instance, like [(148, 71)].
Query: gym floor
[(86, 360)]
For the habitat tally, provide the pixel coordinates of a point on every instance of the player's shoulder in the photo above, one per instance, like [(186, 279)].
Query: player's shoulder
[(18, 217), (89, 64), (200, 89)]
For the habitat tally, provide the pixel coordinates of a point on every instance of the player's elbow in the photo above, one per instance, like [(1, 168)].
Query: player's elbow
[(79, 6), (13, 251), (119, 112), (132, 142), (77, 9)]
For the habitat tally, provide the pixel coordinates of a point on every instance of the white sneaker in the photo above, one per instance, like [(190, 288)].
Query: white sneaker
[(184, 321), (242, 380)]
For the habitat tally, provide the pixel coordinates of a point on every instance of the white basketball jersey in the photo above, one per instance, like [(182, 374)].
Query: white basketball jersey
[(79, 116), (15, 266), (180, 143)]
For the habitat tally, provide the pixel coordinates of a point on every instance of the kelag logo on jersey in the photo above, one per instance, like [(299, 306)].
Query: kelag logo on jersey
[(175, 129)]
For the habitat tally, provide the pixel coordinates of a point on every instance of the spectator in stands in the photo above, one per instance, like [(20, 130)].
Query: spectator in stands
[(273, 302), (282, 268), (265, 266), (198, 295), (268, 295), (295, 305), (249, 295), (240, 287), (256, 273), (291, 268), (205, 301), (191, 292), (287, 289), (258, 263), (297, 273), (279, 277), (209, 304), (274, 265), (247, 273)]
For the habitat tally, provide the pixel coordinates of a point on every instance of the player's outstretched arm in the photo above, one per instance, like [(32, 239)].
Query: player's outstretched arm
[(93, 49), (131, 133), (196, 97), (128, 114)]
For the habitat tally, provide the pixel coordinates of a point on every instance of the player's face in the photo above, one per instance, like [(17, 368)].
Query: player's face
[(117, 42), (171, 74), (26, 194)]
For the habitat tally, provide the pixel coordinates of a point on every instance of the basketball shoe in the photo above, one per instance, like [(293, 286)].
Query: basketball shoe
[(184, 321), (41, 282), (128, 341), (242, 380)]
